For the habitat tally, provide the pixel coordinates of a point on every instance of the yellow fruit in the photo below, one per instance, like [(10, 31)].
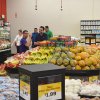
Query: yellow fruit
[(63, 55), (73, 63), (69, 67), (59, 61), (94, 60), (73, 50), (98, 66), (53, 61), (57, 49), (84, 55), (92, 67), (88, 62), (77, 67), (86, 68), (71, 55), (80, 49), (66, 62), (77, 58), (64, 49), (81, 63)]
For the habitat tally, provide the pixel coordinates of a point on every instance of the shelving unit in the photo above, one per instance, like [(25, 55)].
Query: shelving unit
[(5, 40), (90, 31)]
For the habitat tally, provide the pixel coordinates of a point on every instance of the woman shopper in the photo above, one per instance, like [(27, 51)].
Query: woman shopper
[(17, 40)]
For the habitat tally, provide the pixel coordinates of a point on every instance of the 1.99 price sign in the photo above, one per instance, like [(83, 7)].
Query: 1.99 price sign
[(50, 91), (50, 94)]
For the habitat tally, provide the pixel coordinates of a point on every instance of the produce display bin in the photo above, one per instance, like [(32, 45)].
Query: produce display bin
[(84, 75), (42, 82)]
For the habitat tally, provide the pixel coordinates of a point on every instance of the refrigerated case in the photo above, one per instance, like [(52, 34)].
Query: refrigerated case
[(5, 40)]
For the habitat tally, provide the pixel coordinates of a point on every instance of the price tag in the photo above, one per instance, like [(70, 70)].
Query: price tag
[(25, 87), (50, 91), (93, 78), (24, 90), (67, 77)]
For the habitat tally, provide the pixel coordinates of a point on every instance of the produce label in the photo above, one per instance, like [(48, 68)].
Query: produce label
[(67, 77), (93, 78), (25, 87), (50, 87), (50, 91)]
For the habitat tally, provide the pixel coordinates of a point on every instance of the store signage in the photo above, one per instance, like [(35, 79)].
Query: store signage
[(25, 87), (93, 78), (49, 91), (50, 88)]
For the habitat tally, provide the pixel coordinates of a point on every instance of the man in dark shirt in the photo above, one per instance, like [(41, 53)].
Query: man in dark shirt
[(34, 36), (41, 36), (24, 43)]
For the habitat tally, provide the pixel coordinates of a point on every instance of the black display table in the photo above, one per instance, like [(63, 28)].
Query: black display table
[(42, 82)]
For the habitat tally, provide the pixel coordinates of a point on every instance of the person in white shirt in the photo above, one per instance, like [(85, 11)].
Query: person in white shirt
[(17, 40)]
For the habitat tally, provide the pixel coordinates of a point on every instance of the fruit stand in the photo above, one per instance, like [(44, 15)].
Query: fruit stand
[(82, 63)]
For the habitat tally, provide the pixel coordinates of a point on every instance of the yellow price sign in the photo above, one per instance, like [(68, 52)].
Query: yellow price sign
[(93, 78), (50, 91), (67, 77), (24, 90)]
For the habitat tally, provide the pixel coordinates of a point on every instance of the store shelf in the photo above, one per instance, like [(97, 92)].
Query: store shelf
[(90, 29), (84, 96), (89, 43), (5, 50), (82, 42), (90, 34), (90, 25), (97, 42), (86, 30), (82, 72)]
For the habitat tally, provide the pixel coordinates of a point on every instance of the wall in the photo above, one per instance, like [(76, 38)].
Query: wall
[(3, 8), (21, 14)]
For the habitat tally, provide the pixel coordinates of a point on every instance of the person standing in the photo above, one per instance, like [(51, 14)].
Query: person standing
[(48, 32), (34, 36), (24, 43), (41, 36), (17, 40)]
